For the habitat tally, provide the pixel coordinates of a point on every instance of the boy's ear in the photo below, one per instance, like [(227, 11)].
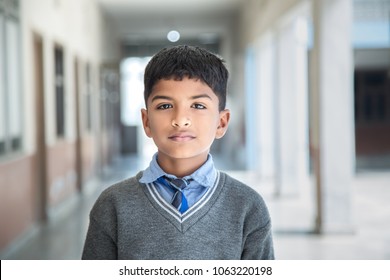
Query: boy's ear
[(145, 122), (224, 118)]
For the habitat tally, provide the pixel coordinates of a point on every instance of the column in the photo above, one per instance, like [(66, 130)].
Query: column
[(291, 107), (332, 126), (265, 106)]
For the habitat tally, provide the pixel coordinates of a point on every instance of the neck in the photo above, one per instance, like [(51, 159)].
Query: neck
[(181, 167)]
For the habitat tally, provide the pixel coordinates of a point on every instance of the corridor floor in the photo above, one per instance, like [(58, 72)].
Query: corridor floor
[(292, 216)]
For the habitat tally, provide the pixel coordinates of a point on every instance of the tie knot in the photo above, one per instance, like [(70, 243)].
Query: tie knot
[(178, 183)]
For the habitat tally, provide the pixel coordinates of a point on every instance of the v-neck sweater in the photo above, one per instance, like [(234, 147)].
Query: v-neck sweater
[(130, 220)]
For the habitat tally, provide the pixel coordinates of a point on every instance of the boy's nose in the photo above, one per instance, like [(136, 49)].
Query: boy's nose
[(181, 121)]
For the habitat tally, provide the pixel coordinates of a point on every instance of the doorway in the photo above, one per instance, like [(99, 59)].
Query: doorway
[(41, 160), (78, 149)]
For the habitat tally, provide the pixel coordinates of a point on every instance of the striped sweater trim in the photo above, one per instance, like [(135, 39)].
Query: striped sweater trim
[(166, 206)]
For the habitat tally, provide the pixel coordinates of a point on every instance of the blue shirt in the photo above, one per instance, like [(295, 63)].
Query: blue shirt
[(202, 180)]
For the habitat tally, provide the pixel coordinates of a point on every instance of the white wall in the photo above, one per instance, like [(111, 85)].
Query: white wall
[(79, 27)]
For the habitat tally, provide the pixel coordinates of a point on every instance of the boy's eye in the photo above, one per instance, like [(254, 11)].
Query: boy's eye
[(198, 106), (164, 106)]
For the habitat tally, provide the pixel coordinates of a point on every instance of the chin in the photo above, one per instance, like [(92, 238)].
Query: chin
[(185, 155)]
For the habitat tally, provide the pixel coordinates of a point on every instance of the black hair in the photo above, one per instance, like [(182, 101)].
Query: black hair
[(191, 62)]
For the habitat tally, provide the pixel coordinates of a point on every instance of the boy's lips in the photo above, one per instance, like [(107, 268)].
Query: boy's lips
[(181, 137)]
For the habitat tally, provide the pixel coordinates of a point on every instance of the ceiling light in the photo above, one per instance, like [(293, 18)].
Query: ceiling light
[(173, 36)]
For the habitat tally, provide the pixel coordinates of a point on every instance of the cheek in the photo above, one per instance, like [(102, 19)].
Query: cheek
[(156, 124), (213, 128)]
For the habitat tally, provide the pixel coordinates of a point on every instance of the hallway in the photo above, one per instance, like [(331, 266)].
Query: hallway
[(292, 220), (308, 92)]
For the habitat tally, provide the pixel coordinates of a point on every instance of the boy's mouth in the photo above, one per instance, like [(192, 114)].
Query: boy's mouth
[(181, 137)]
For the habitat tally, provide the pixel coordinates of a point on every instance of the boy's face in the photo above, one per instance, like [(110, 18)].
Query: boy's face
[(183, 119)]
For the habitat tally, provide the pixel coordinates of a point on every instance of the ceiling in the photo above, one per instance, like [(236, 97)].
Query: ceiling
[(140, 21), (168, 7), (143, 20)]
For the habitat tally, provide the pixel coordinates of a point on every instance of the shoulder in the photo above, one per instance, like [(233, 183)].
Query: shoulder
[(247, 203), (121, 187), (236, 186), (242, 194), (118, 193)]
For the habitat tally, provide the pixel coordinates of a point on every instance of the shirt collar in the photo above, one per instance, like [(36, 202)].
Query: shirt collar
[(205, 175)]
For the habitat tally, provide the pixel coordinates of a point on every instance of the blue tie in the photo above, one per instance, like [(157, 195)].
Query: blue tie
[(179, 201)]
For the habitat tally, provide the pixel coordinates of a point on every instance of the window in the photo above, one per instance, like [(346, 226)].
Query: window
[(109, 96), (59, 91), (372, 99), (132, 71), (10, 79)]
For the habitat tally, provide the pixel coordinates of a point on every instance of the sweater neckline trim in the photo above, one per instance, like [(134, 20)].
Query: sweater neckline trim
[(172, 211)]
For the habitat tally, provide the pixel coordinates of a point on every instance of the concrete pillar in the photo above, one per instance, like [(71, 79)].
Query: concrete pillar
[(332, 126), (292, 113), (265, 89), (260, 107)]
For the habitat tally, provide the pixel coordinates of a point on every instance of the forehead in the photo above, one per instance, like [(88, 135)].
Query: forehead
[(182, 88)]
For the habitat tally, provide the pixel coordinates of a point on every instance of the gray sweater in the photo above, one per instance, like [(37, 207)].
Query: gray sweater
[(130, 220)]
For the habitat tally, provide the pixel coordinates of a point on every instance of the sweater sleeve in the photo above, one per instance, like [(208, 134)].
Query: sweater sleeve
[(252, 212), (98, 244), (101, 239), (259, 245)]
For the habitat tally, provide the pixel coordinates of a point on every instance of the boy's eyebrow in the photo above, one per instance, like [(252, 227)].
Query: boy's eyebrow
[(161, 97), (170, 98), (201, 96)]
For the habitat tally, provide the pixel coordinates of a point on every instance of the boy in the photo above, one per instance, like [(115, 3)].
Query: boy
[(181, 207)]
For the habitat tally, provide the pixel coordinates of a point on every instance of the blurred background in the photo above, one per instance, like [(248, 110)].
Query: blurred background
[(309, 93)]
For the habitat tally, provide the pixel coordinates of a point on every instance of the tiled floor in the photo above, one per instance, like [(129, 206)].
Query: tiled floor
[(63, 237)]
